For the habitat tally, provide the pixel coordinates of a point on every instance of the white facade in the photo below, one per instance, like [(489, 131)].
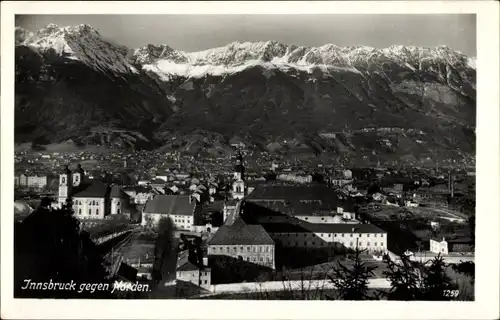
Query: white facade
[(439, 246), (198, 277), (143, 197), (65, 187), (36, 181), (370, 241), (259, 254), (162, 177), (238, 189), (117, 206), (295, 178), (89, 208), (181, 222), (320, 219), (348, 174), (77, 178)]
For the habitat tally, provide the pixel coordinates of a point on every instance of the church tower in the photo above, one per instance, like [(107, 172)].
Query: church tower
[(78, 176), (238, 191), (65, 186)]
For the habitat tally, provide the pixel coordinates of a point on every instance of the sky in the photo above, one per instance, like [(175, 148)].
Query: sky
[(200, 32)]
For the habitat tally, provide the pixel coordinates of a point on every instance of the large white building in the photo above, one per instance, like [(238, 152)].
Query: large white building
[(90, 199), (322, 235), (437, 246), (244, 242), (181, 209)]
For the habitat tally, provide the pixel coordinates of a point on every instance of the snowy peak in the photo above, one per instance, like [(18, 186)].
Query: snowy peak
[(152, 53), (236, 56), (81, 43)]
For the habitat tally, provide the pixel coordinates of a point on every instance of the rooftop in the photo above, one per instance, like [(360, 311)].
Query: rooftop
[(170, 204), (183, 263), (293, 193), (117, 192), (240, 233), (304, 227), (95, 190)]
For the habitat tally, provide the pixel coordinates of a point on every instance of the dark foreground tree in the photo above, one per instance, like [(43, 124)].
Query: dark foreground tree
[(467, 268), (49, 247), (352, 281), (413, 280), (164, 251), (436, 284), (404, 277)]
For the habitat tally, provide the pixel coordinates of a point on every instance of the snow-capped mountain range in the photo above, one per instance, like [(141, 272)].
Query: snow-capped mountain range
[(84, 43), (72, 80)]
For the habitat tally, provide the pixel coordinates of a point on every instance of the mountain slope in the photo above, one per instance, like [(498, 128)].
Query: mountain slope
[(342, 101), (67, 90)]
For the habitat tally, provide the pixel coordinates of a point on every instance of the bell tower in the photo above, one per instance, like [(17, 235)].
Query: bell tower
[(238, 191), (78, 176), (65, 185)]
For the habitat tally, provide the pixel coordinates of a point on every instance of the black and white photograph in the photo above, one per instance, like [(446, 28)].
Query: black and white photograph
[(324, 156)]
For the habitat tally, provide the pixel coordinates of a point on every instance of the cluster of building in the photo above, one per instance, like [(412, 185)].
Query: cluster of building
[(249, 222), (91, 199), (33, 180), (260, 221)]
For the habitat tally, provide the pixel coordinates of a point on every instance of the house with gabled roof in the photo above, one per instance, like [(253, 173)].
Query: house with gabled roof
[(180, 209), (250, 243), (189, 270)]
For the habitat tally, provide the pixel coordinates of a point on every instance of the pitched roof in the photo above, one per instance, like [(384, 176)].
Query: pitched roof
[(292, 193), (117, 192), (127, 272), (304, 227), (183, 263), (94, 190), (240, 233), (170, 204)]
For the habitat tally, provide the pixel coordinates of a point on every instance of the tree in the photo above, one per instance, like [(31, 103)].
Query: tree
[(404, 278), (472, 226), (49, 246), (163, 247), (412, 280), (352, 282), (436, 281)]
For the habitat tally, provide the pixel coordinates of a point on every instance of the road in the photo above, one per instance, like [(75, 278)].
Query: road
[(379, 283), (450, 213)]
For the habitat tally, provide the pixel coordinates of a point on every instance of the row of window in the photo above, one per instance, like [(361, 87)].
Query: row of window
[(261, 259), (321, 244), (242, 249), (90, 212), (341, 235)]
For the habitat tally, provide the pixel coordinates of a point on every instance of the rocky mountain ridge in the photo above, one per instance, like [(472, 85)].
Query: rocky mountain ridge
[(330, 99)]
